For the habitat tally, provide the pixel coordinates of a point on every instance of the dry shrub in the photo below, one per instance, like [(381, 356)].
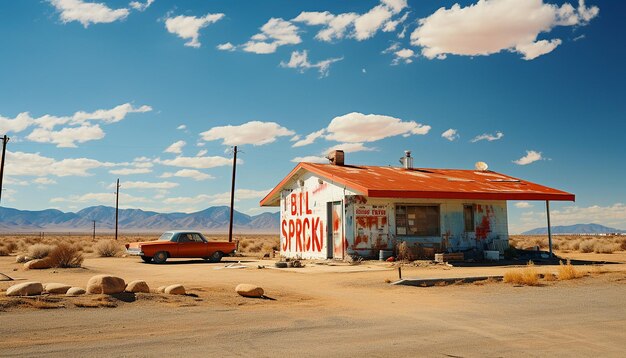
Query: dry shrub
[(526, 276), (4, 251), (65, 256), (621, 241), (404, 252), (39, 251), (586, 246), (605, 248), (568, 271), (550, 277), (243, 245), (107, 248)]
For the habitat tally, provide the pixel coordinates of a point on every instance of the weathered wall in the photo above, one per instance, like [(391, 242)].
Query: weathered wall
[(369, 223), (304, 229)]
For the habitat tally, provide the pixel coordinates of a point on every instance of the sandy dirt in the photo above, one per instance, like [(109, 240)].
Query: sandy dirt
[(320, 310)]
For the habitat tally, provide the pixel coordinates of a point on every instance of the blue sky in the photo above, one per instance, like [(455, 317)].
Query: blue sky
[(145, 92)]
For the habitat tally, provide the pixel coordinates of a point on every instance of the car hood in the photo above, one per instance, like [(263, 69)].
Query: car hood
[(144, 243)]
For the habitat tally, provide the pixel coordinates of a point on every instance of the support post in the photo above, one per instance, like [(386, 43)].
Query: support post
[(117, 203), (232, 196), (94, 230), (549, 228), (5, 139)]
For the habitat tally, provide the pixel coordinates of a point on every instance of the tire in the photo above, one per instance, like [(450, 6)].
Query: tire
[(216, 257), (146, 259), (160, 257), (281, 264)]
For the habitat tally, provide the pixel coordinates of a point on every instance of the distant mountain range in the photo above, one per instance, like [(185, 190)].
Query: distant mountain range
[(575, 229), (213, 219)]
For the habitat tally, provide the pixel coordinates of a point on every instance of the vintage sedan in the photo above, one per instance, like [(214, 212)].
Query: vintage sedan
[(184, 244)]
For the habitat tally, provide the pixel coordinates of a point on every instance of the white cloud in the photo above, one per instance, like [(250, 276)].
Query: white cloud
[(34, 164), (218, 199), (101, 198), (145, 185), (189, 173), (113, 115), (611, 216), (450, 134), (130, 171), (181, 127), (139, 6), (44, 181), (309, 139), (357, 26), (491, 26), (523, 205), (254, 132), (198, 162), (87, 13), (310, 159), (488, 137), (299, 60), (17, 124), (405, 55), (276, 32), (530, 157), (350, 148), (188, 27), (202, 153), (67, 137), (358, 127), (226, 47), (176, 147)]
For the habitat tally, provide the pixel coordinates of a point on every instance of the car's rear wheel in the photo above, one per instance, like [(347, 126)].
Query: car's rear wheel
[(160, 257), (216, 257), (146, 258)]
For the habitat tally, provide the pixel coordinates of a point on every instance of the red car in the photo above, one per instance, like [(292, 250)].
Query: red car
[(184, 244)]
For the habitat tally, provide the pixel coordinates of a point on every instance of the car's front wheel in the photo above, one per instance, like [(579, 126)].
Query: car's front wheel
[(146, 258), (160, 257), (216, 257)]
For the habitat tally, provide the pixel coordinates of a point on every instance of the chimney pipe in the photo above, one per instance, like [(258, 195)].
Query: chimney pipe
[(336, 157), (407, 160)]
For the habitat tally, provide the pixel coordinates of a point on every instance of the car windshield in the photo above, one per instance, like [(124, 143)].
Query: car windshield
[(167, 236)]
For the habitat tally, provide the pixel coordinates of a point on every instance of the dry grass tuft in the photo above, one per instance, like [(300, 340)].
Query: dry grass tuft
[(39, 251), (568, 271), (107, 248), (527, 276), (65, 256), (586, 244)]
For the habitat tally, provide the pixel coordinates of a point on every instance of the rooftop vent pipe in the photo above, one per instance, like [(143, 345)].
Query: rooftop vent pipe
[(336, 157), (407, 160)]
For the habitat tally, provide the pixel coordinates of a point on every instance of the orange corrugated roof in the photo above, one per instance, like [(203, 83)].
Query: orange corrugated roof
[(394, 182)]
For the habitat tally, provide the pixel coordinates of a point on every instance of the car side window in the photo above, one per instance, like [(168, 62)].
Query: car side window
[(184, 238), (197, 238)]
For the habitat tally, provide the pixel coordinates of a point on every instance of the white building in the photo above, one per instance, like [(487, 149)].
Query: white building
[(334, 210)]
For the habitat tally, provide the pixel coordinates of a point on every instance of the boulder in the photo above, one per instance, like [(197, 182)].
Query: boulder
[(138, 286), (75, 291), (38, 264), (58, 288), (248, 290), (25, 289), (175, 290), (105, 284), (161, 289)]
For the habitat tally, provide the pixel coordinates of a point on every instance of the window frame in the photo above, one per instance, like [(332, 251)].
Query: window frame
[(473, 217), (407, 228)]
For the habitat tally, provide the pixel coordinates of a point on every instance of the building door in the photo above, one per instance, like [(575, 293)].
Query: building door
[(335, 224)]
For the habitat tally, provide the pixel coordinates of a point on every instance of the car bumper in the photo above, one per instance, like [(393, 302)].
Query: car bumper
[(134, 252)]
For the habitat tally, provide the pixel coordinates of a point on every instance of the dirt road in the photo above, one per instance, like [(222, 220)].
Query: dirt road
[(324, 313)]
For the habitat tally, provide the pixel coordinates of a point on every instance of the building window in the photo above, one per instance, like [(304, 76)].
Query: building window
[(468, 217), (419, 220)]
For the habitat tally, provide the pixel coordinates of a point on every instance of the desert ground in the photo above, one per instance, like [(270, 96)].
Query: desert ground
[(323, 309)]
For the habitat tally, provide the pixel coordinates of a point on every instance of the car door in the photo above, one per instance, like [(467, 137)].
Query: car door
[(189, 246)]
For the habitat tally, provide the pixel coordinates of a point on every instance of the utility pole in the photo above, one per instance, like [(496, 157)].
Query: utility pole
[(117, 203), (232, 196), (5, 140), (94, 230)]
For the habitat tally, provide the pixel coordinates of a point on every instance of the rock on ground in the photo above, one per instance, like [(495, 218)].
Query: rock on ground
[(59, 288), (248, 290), (106, 284), (37, 264), (75, 291), (25, 289), (175, 290), (138, 286)]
